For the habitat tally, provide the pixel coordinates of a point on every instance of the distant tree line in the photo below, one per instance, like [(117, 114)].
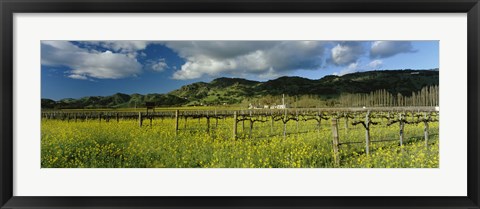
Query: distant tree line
[(427, 96)]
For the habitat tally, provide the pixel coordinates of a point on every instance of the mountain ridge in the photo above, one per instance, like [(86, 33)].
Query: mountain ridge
[(223, 90)]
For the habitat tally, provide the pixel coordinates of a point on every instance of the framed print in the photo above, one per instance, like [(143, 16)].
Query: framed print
[(196, 104)]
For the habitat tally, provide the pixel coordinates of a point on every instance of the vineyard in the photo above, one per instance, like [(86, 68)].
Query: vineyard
[(250, 138)]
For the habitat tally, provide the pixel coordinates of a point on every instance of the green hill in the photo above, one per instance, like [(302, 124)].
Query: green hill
[(235, 90)]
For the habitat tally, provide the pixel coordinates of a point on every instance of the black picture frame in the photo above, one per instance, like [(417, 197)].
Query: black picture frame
[(9, 7)]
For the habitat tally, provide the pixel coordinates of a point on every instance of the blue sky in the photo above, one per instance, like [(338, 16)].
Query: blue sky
[(74, 69)]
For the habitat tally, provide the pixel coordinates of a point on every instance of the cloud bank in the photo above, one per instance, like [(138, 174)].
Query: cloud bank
[(345, 53), (157, 65), (263, 59), (384, 49), (84, 63), (260, 58)]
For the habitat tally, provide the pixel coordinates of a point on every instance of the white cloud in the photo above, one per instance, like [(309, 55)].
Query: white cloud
[(345, 53), (121, 46), (351, 68), (79, 77), (158, 66), (84, 63), (375, 64), (217, 49), (260, 58), (132, 49), (384, 49), (358, 67)]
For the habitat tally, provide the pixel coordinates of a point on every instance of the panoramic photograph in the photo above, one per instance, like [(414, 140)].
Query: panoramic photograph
[(239, 104)]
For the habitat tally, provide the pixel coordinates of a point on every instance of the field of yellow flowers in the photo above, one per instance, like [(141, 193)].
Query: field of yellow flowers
[(123, 144)]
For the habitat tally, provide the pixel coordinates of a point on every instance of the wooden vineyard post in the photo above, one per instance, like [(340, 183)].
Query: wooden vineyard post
[(319, 123), (367, 132), (151, 120), (75, 117), (251, 124), (296, 115), (176, 120), (285, 125), (140, 119), (116, 117), (425, 129), (100, 118), (208, 124), (402, 125), (272, 122), (184, 122), (235, 124), (216, 120), (335, 141), (251, 128), (198, 116), (346, 122)]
